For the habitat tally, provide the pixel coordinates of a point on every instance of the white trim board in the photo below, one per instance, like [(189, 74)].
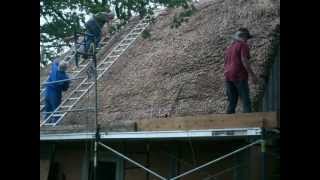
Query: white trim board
[(207, 133)]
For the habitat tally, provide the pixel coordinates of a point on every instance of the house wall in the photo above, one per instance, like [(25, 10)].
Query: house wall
[(173, 158), (167, 158), (271, 99), (70, 157), (45, 160), (44, 169)]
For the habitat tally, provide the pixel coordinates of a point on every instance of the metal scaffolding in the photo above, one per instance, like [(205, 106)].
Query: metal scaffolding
[(260, 141)]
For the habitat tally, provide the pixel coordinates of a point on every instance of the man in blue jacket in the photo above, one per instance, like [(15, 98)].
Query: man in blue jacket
[(53, 93)]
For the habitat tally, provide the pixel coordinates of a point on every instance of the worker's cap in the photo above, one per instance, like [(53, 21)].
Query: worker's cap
[(109, 15), (63, 65), (243, 33)]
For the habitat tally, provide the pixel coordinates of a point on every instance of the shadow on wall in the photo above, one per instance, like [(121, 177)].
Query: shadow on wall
[(271, 99)]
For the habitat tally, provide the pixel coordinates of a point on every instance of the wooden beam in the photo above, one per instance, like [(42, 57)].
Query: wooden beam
[(243, 120)]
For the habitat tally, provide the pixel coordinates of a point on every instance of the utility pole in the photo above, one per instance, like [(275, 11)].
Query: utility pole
[(95, 160), (97, 126)]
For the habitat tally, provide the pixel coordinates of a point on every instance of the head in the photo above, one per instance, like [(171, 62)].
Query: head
[(63, 66), (107, 15), (242, 34), (56, 60), (110, 16)]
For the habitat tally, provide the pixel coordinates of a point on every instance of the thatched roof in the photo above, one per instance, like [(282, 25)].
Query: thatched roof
[(179, 72)]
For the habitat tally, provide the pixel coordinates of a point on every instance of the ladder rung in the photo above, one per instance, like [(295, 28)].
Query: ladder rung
[(116, 56), (65, 106), (140, 28), (118, 50), (121, 45), (142, 24), (83, 65), (74, 71), (48, 124), (129, 39), (87, 83), (134, 34), (73, 98), (57, 115), (83, 87), (107, 62)]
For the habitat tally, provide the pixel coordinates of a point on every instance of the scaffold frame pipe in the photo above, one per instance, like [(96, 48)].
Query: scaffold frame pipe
[(132, 161), (70, 79), (216, 160)]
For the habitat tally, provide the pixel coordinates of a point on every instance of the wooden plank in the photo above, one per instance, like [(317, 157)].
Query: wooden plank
[(244, 120)]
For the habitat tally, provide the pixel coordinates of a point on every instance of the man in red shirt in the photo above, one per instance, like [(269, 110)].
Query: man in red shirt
[(237, 70)]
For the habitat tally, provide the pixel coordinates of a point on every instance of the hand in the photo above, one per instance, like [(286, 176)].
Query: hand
[(103, 34), (68, 39)]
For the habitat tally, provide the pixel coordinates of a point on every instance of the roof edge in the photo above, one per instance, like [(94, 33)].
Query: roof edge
[(205, 133)]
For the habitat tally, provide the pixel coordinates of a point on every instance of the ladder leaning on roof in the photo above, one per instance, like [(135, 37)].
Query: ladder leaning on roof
[(85, 85), (74, 73)]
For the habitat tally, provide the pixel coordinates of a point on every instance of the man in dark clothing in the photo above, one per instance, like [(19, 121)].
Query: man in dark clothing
[(93, 27), (237, 70), (54, 90)]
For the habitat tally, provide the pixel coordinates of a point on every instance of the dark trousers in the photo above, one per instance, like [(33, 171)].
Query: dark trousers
[(93, 34), (52, 101), (234, 90)]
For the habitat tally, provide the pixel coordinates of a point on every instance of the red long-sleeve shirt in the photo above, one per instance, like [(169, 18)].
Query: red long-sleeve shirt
[(233, 67)]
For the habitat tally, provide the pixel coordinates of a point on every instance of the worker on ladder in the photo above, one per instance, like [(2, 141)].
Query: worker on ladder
[(94, 31), (55, 86)]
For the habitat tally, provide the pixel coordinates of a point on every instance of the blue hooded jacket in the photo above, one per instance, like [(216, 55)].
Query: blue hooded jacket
[(55, 90)]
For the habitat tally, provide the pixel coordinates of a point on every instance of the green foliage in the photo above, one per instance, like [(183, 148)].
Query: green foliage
[(178, 19), (116, 27)]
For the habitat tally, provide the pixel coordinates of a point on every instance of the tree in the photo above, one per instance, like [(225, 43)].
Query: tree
[(61, 18)]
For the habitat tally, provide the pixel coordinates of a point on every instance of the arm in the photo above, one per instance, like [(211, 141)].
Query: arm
[(65, 84), (249, 70), (245, 62)]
